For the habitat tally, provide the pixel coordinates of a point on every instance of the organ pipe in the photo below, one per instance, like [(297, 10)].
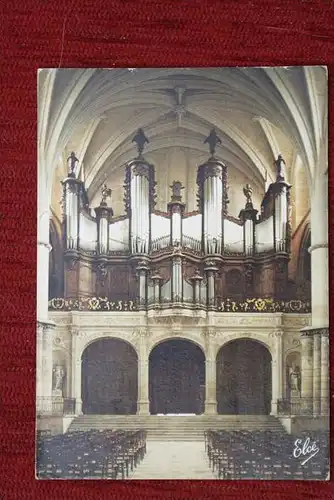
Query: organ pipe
[(71, 204), (210, 180), (177, 279), (281, 215), (141, 181)]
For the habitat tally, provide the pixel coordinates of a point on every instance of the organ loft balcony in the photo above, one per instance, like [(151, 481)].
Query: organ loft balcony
[(175, 261)]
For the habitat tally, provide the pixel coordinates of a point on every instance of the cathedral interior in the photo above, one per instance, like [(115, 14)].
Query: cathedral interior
[(182, 244)]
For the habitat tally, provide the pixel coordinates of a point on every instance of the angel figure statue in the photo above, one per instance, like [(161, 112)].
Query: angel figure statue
[(106, 193), (212, 140), (248, 191), (280, 168)]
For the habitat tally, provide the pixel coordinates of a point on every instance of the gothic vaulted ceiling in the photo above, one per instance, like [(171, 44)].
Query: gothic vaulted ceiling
[(257, 113)]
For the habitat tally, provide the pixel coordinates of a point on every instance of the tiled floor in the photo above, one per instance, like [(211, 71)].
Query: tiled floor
[(174, 460)]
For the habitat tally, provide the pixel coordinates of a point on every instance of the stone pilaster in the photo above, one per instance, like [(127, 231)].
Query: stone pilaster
[(316, 374), (143, 404), (307, 371), (39, 367), (277, 371), (324, 371), (210, 375), (76, 374), (45, 342)]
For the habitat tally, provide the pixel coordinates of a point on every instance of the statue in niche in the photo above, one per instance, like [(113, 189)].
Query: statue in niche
[(106, 193), (140, 139), (295, 379), (59, 376), (72, 160), (176, 190), (248, 191), (280, 168), (212, 140)]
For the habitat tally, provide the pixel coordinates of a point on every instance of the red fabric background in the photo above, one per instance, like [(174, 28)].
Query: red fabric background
[(92, 33)]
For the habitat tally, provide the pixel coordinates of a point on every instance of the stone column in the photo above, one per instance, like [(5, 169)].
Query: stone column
[(307, 371), (156, 278), (324, 371), (43, 250), (316, 374), (277, 371), (196, 280), (319, 251), (77, 381), (210, 375), (210, 271), (142, 270), (76, 369), (47, 364), (39, 368), (143, 404)]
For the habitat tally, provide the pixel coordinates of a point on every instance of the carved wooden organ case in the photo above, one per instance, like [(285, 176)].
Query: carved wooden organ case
[(193, 260)]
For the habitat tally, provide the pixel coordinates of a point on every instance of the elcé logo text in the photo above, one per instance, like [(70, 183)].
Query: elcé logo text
[(305, 448)]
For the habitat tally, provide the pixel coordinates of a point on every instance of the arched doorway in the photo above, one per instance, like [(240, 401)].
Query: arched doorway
[(244, 378), (109, 378), (177, 377)]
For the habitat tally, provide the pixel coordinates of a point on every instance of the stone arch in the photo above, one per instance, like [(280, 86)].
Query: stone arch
[(184, 336), (84, 342), (177, 377), (264, 341), (244, 377), (109, 382)]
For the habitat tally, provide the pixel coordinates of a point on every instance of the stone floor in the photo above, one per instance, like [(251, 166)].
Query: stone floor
[(173, 460)]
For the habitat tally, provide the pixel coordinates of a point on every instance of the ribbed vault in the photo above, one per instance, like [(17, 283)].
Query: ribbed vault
[(257, 112)]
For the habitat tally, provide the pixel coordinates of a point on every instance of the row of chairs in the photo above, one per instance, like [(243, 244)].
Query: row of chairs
[(264, 455), (109, 454)]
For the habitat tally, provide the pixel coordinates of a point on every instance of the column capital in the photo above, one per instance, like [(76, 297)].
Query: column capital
[(311, 331), (277, 333), (45, 245), (45, 325), (141, 333), (317, 246)]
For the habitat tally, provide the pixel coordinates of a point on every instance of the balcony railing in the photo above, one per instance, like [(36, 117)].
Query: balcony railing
[(56, 406), (302, 406), (255, 305), (264, 306)]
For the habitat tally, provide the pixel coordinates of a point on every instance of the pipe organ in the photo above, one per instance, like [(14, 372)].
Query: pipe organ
[(161, 259)]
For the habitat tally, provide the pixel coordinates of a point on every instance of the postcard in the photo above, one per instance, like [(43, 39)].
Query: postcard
[(182, 274)]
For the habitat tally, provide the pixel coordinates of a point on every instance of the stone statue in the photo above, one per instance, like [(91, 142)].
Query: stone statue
[(280, 168), (106, 193), (248, 191), (176, 190), (295, 380), (59, 376), (72, 160), (140, 139), (212, 140)]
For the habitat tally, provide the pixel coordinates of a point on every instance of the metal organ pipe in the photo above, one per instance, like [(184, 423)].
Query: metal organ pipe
[(71, 217), (177, 279), (140, 206), (176, 227), (212, 207), (281, 215), (249, 236), (103, 235)]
